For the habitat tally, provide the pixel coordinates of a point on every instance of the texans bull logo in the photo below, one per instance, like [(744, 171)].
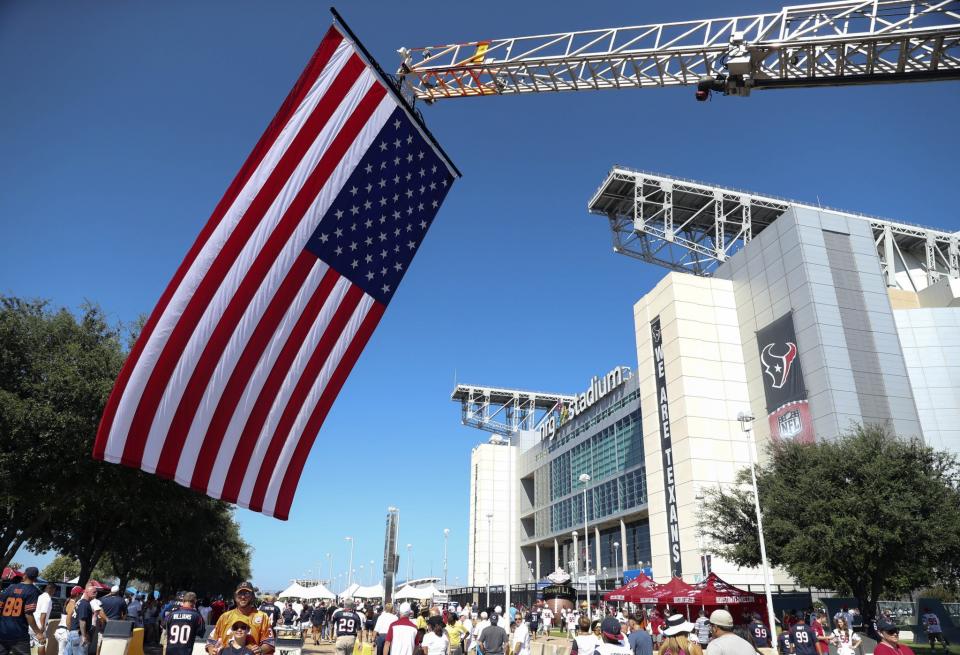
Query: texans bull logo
[(778, 366)]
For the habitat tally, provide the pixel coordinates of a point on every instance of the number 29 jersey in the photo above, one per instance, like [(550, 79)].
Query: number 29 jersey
[(184, 626), (347, 623)]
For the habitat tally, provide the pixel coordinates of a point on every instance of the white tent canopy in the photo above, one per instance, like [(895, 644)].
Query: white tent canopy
[(372, 591), (413, 592), (296, 590), (348, 592), (319, 592)]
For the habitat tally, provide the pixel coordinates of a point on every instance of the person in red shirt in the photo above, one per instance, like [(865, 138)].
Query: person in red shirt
[(823, 641), (657, 625), (890, 640)]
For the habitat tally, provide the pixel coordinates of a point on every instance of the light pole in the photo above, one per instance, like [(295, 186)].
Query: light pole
[(330, 564), (616, 559), (585, 479), (446, 535), (746, 424), (489, 552), (409, 562), (372, 578), (350, 568)]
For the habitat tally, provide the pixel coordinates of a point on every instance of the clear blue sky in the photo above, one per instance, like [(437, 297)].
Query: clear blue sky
[(122, 123)]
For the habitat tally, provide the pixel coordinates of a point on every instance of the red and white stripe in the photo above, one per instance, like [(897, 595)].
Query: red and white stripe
[(240, 361)]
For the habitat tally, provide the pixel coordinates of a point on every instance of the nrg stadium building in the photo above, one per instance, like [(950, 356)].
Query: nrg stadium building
[(790, 320)]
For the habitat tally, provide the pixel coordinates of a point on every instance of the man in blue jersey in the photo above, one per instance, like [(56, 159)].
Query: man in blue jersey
[(18, 602), (270, 609), (184, 626), (759, 631), (802, 637)]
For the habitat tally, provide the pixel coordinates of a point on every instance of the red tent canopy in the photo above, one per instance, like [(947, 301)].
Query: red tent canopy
[(715, 591), (677, 592), (99, 585), (639, 590), (9, 574)]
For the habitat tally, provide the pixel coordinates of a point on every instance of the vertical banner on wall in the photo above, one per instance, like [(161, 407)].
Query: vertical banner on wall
[(666, 449), (787, 408)]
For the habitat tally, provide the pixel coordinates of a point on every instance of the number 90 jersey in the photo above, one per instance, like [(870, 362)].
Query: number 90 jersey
[(347, 623), (184, 626)]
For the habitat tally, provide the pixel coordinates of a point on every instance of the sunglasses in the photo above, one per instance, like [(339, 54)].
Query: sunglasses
[(891, 632), (240, 626)]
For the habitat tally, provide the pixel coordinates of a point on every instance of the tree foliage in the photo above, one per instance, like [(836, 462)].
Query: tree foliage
[(868, 514), (56, 372)]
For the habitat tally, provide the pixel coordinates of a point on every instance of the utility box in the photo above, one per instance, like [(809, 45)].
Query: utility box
[(116, 638)]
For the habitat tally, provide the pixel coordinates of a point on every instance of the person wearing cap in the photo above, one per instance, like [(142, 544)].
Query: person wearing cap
[(803, 638), (239, 637), (890, 640), (435, 641), (347, 624), (113, 606), (17, 624), (612, 642), (260, 639), (723, 641), (402, 634), (493, 639), (184, 626), (758, 631)]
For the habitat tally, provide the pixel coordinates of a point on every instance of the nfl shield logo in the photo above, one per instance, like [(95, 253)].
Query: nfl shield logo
[(790, 423)]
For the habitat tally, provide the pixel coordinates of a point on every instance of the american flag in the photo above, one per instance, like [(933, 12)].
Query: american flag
[(235, 371)]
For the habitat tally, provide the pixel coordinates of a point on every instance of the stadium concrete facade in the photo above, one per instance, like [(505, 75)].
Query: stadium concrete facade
[(808, 321)]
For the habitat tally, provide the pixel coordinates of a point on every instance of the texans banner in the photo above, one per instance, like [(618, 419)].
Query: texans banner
[(238, 365), (787, 408)]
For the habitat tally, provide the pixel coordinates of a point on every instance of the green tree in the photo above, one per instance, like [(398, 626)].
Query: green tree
[(867, 514), (63, 567), (55, 373)]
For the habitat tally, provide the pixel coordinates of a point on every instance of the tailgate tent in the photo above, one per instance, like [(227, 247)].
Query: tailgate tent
[(640, 590), (715, 591), (413, 593), (319, 592), (371, 591), (296, 590)]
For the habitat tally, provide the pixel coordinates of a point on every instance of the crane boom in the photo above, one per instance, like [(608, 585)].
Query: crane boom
[(834, 43)]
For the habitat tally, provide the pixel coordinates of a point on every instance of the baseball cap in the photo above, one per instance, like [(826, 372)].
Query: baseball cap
[(76, 591), (610, 627), (494, 618), (115, 589), (240, 618), (887, 626), (246, 585), (32, 572), (405, 608), (722, 618)]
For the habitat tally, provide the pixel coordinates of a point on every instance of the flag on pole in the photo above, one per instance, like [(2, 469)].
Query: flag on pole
[(238, 365)]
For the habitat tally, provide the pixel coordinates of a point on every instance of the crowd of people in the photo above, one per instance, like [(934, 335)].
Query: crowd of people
[(246, 625)]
